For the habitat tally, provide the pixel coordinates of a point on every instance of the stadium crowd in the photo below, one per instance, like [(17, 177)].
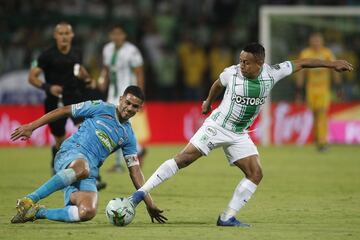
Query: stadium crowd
[(185, 43)]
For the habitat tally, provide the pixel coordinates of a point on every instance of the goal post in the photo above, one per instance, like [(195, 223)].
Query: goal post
[(297, 22)]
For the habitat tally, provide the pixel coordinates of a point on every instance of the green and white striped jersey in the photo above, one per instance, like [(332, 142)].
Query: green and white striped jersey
[(243, 97)]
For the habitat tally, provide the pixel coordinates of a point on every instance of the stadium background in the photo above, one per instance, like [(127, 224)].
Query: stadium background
[(304, 194), (214, 30)]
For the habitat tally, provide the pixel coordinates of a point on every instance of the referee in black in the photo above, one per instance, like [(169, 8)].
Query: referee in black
[(66, 81)]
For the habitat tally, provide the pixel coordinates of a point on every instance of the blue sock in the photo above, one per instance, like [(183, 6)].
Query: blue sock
[(66, 214), (137, 197), (62, 179)]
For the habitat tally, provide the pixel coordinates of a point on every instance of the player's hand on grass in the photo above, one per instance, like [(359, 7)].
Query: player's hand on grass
[(23, 132), (342, 66), (156, 213), (206, 107)]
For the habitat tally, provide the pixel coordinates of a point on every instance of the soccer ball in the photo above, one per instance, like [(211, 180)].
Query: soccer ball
[(120, 211)]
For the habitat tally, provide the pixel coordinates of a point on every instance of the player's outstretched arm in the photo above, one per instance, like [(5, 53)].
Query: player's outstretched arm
[(215, 90), (337, 65), (138, 180), (24, 132)]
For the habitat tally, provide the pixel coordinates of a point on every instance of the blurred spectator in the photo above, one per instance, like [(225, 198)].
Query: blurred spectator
[(122, 67), (151, 24), (220, 56), (193, 64), (166, 68), (318, 88)]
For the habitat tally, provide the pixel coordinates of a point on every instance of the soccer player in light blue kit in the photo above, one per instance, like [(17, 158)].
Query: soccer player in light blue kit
[(106, 129)]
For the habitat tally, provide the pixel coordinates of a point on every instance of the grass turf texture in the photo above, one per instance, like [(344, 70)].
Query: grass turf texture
[(303, 195)]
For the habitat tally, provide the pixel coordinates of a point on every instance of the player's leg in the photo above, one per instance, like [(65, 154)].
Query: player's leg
[(82, 207), (76, 170), (243, 154), (166, 170), (200, 144), (57, 129), (55, 148), (68, 172), (322, 121), (80, 200), (322, 126), (243, 191)]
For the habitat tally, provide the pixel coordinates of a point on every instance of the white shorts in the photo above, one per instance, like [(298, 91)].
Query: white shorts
[(236, 146)]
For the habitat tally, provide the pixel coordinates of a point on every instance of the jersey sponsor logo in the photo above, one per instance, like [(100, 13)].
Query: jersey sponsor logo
[(253, 101), (104, 125), (211, 131), (105, 140)]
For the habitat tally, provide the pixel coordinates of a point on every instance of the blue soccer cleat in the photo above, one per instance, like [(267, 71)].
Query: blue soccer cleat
[(231, 222), (136, 198)]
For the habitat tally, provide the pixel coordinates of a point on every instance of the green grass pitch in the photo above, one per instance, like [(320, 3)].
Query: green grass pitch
[(303, 195)]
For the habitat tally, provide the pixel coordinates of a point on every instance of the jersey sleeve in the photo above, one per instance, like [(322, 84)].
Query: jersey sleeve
[(87, 109), (130, 151), (136, 59), (281, 70), (226, 75), (42, 61)]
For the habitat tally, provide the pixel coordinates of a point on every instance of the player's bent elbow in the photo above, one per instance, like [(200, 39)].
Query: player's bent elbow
[(86, 213)]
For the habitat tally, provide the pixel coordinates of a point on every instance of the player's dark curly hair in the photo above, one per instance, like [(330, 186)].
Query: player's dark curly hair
[(256, 49), (136, 91)]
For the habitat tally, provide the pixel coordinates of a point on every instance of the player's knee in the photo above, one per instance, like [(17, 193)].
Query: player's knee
[(83, 173), (256, 176), (81, 168), (86, 213)]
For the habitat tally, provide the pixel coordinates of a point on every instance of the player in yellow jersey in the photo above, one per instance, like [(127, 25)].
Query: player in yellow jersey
[(318, 87)]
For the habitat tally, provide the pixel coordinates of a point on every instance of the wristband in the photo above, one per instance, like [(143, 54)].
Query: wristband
[(46, 87)]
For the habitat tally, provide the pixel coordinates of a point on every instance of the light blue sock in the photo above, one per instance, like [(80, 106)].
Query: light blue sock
[(66, 214), (62, 179)]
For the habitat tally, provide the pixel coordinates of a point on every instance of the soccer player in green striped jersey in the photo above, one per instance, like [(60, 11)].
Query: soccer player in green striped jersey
[(247, 86)]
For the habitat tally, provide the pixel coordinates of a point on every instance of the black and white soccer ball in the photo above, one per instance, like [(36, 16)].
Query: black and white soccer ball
[(120, 211)]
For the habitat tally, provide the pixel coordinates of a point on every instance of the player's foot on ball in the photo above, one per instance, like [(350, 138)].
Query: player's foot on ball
[(231, 222), (26, 211), (136, 198)]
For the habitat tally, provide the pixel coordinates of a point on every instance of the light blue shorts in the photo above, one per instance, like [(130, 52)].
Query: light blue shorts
[(62, 160)]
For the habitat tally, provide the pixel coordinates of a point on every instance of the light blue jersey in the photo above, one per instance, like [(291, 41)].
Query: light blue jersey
[(101, 133)]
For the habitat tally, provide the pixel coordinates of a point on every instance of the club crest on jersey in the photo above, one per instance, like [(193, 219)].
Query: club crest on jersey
[(253, 101)]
